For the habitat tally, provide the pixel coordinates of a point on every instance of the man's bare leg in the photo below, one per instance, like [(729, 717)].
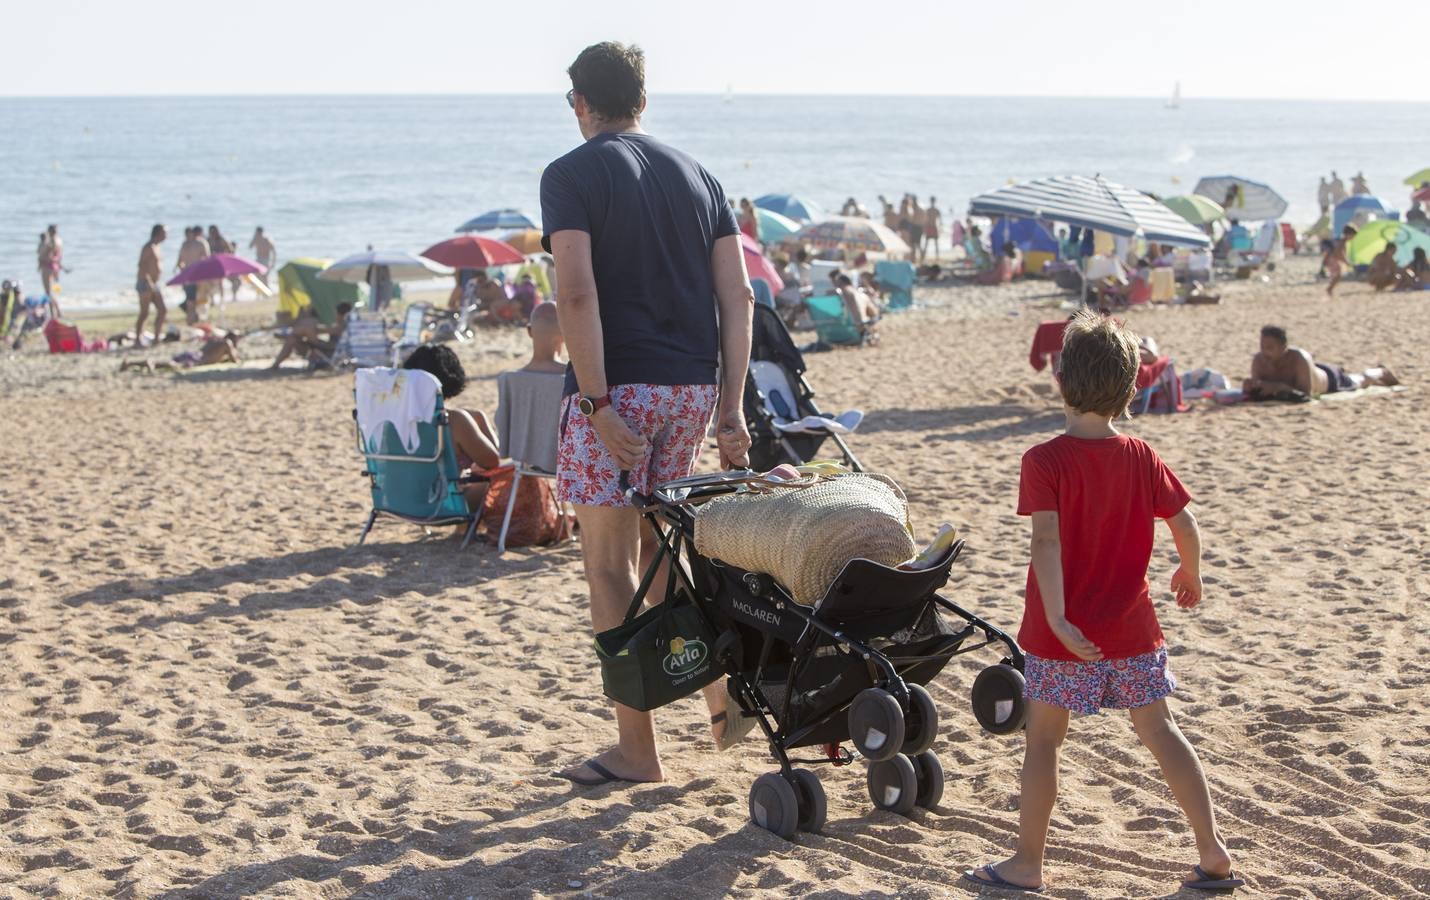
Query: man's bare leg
[(143, 315), (159, 314), (610, 550), (1377, 375)]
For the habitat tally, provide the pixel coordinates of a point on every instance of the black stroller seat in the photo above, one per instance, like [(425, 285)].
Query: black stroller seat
[(849, 669), (777, 396)]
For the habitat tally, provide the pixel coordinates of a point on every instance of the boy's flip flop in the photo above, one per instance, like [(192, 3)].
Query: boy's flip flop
[(994, 880), (603, 775), (1205, 882)]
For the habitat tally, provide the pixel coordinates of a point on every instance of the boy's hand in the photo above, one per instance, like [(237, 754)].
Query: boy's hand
[(1187, 587), (1073, 639)]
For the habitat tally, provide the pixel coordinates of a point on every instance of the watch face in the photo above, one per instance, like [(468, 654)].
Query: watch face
[(586, 406)]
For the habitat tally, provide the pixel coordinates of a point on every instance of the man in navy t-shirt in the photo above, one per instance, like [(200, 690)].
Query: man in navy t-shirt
[(655, 307)]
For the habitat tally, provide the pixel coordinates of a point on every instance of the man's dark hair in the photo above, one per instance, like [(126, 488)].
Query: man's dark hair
[(611, 76), (343, 308), (440, 360), (1276, 332), (154, 232)]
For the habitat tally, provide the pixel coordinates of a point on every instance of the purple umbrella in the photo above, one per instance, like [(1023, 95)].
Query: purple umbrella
[(213, 268)]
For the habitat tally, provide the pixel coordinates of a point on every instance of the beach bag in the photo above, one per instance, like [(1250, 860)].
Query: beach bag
[(660, 655), (804, 533), (536, 519)]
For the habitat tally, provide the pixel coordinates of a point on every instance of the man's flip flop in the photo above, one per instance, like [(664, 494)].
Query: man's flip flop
[(603, 776), (737, 724), (994, 880), (1205, 882)]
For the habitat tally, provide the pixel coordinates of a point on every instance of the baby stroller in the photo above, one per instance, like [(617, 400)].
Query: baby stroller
[(851, 668), (784, 423)]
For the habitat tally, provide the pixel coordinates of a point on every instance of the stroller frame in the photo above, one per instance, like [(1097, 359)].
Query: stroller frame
[(748, 605)]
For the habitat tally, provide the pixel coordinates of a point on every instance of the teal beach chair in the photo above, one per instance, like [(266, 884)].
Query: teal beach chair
[(832, 322), (421, 485), (897, 280)]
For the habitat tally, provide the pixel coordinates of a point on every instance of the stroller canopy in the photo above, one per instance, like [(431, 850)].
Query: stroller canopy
[(770, 340)]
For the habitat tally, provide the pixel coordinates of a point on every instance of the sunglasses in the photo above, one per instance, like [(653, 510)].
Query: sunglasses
[(571, 98)]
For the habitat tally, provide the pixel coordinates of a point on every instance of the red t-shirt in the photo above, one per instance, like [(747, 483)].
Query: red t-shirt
[(1108, 494)]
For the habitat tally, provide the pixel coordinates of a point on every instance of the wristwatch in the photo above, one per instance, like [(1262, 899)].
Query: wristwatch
[(589, 405)]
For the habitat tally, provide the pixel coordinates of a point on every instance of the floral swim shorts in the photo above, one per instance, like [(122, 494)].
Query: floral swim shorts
[(673, 418), (1086, 687)]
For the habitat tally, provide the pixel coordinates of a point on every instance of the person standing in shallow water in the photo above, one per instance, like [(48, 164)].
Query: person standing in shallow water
[(655, 307)]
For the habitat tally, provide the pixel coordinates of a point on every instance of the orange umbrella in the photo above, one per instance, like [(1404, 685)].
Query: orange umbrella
[(528, 241)]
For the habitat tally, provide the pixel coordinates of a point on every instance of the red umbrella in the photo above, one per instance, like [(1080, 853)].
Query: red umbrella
[(470, 251), (758, 266), (212, 268)]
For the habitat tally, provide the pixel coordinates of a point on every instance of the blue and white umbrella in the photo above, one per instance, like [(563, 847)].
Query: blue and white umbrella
[(790, 206), (1242, 198), (1090, 203), (499, 220)]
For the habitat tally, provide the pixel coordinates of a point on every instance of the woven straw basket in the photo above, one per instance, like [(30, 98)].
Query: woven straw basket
[(804, 535)]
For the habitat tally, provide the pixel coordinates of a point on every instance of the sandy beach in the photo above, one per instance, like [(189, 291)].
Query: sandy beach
[(211, 693)]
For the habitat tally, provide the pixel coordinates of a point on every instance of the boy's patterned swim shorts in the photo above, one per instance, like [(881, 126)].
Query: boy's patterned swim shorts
[(1086, 687)]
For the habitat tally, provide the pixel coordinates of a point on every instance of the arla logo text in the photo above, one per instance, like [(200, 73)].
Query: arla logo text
[(685, 656)]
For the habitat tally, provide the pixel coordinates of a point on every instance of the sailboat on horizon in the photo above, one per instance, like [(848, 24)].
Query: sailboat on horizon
[(1175, 101)]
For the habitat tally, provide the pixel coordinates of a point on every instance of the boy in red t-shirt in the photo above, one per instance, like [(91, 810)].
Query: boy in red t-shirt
[(1089, 631)]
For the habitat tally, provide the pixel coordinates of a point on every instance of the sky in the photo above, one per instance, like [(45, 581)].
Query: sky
[(1012, 47)]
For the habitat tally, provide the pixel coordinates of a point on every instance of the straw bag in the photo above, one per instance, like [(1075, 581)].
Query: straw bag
[(803, 534)]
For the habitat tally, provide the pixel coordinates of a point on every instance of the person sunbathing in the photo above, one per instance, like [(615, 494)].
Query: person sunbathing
[(1280, 371), (306, 334), (1383, 271), (472, 431), (862, 309), (1416, 275)]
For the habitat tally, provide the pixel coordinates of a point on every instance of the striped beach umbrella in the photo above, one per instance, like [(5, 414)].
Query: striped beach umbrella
[(851, 233)]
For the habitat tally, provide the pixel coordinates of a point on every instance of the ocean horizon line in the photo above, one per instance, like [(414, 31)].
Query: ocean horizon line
[(1183, 99)]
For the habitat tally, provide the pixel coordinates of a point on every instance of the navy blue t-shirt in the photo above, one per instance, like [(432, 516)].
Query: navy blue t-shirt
[(654, 215)]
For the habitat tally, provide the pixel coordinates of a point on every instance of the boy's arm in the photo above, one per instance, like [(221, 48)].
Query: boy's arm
[(1187, 580), (1047, 553)]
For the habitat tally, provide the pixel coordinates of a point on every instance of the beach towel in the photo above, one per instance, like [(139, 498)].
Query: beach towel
[(528, 416), (402, 398), (1047, 344)]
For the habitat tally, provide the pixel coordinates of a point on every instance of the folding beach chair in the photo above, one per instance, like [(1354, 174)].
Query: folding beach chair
[(784, 423), (411, 465), (897, 280), (832, 322), (364, 343), (414, 325), (528, 421), (763, 295)]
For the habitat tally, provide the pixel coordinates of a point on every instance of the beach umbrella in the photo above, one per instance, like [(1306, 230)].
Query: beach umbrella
[(1090, 203), (773, 226), (216, 267), (1355, 205), (793, 207), (495, 219), (527, 242), (470, 251), (400, 267), (1373, 238), (851, 233), (1254, 200), (1195, 209), (1418, 178), (758, 265)]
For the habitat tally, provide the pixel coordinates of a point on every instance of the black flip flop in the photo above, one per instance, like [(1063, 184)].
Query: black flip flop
[(998, 881), (604, 776), (1205, 882)]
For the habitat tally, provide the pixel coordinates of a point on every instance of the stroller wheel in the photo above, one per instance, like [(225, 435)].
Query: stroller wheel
[(774, 805), (998, 699), (876, 724), (930, 773), (894, 785), (813, 807), (921, 724)]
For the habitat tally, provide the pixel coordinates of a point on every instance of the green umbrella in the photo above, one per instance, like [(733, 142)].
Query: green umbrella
[(1195, 208), (1372, 239), (773, 226), (1418, 178)]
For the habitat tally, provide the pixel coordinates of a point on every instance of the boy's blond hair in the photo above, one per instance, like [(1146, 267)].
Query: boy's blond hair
[(1098, 366)]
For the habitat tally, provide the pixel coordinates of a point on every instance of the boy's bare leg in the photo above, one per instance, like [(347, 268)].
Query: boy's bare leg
[(1183, 772), (1046, 727)]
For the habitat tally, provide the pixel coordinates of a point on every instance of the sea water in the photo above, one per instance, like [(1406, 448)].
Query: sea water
[(328, 176)]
